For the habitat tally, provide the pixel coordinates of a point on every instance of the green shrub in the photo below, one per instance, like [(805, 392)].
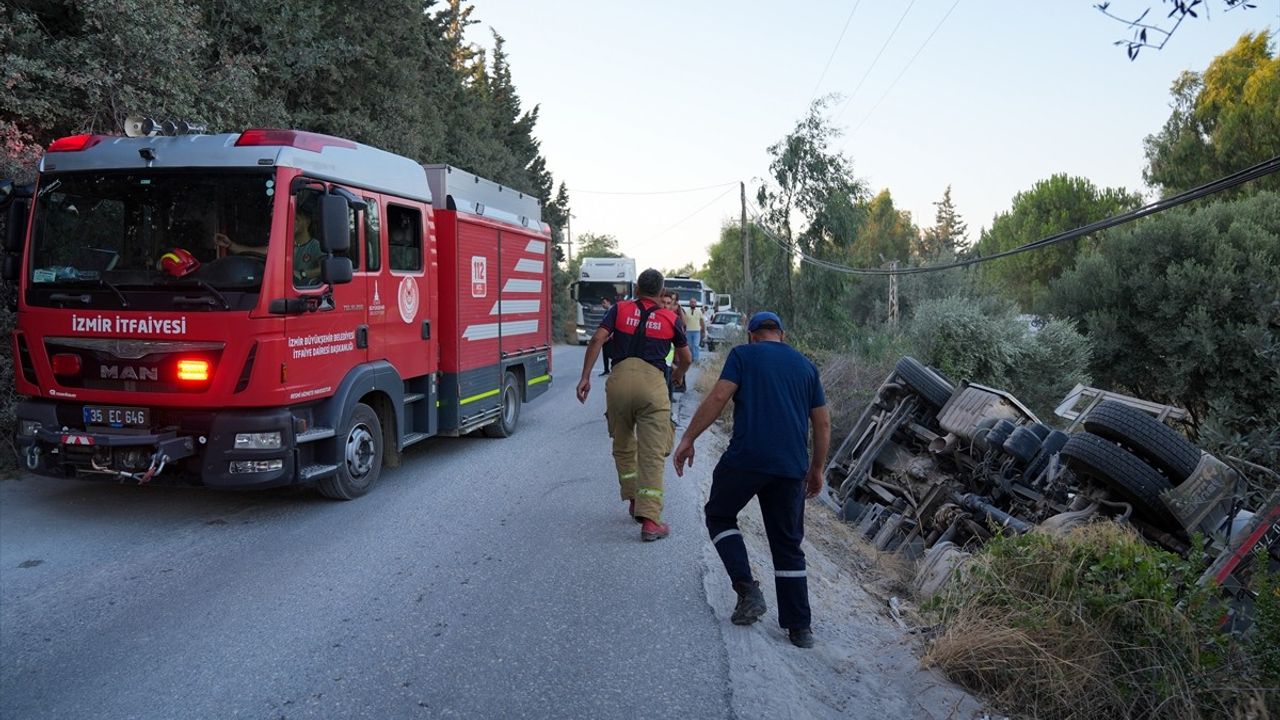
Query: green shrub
[(1184, 308)]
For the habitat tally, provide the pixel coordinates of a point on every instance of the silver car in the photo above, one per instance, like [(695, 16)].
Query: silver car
[(724, 326)]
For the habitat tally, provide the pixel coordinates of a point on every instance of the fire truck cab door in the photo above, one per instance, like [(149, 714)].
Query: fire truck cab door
[(398, 294), (330, 336)]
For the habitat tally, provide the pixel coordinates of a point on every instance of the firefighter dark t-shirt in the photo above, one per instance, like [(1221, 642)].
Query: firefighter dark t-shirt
[(777, 387), (661, 332)]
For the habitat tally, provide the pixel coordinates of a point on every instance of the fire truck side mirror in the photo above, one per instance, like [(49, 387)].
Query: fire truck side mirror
[(335, 227), (15, 224), (335, 270), (573, 291)]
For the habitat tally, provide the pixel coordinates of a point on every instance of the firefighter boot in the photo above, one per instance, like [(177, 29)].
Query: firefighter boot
[(651, 530), (632, 510), (801, 637), (750, 606)]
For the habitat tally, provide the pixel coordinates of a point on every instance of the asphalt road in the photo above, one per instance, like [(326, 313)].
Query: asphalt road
[(483, 578)]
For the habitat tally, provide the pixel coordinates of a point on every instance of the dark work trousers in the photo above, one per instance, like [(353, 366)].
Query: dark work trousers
[(782, 507)]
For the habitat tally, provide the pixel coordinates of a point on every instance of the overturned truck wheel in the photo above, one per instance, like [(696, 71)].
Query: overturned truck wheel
[(1153, 441), (1128, 478), (922, 379)]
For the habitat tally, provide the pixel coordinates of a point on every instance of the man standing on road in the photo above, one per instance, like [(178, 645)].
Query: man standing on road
[(606, 302), (776, 394), (639, 333), (694, 324)]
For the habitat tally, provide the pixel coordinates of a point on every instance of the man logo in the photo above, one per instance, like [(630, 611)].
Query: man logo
[(128, 372)]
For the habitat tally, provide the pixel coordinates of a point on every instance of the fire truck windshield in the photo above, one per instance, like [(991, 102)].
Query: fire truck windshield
[(154, 236)]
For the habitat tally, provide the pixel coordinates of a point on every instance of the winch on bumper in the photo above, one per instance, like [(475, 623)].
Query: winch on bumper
[(231, 449)]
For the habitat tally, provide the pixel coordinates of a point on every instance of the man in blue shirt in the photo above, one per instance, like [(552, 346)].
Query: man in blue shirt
[(776, 394)]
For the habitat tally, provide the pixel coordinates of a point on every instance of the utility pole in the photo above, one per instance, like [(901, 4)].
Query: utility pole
[(568, 233), (893, 295), (746, 252)]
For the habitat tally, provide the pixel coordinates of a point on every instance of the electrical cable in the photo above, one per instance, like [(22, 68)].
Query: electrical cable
[(905, 68), (839, 40), (1253, 172), (651, 192), (690, 215), (867, 74)]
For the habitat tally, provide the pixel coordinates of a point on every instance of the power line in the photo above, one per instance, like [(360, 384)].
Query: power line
[(889, 89), (1253, 172), (840, 39), (690, 215), (877, 58), (651, 192)]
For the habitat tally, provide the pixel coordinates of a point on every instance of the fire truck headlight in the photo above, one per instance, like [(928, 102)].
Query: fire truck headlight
[(258, 441), (28, 428), (243, 467)]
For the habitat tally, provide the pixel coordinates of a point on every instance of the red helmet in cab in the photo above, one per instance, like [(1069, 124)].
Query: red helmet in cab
[(179, 263)]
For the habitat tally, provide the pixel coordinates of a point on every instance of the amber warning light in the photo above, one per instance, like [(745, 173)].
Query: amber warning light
[(193, 370)]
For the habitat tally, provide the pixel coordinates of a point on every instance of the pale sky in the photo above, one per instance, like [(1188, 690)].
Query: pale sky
[(645, 97)]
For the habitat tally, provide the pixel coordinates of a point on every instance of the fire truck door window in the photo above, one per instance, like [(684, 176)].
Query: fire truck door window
[(305, 247), (404, 244), (372, 236)]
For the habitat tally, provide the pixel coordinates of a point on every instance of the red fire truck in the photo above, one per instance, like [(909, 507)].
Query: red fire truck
[(269, 307)]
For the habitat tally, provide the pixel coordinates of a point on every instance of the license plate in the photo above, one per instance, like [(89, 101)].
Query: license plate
[(117, 417)]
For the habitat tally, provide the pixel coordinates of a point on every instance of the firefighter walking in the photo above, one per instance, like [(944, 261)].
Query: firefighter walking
[(637, 335)]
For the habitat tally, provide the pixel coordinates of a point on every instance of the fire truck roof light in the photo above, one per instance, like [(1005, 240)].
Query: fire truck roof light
[(75, 143), (193, 370), (301, 139)]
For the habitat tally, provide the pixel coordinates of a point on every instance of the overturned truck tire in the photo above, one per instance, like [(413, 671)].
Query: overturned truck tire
[(924, 380), (1153, 441), (1128, 478)]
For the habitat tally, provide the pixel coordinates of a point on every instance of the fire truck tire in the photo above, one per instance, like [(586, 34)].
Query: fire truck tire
[(505, 425), (359, 456), (1127, 477), (1153, 441), (927, 383)]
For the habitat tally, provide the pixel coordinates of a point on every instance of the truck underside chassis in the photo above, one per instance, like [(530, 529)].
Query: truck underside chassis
[(933, 470)]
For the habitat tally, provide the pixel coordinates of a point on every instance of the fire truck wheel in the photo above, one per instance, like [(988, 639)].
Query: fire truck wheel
[(505, 425), (360, 456)]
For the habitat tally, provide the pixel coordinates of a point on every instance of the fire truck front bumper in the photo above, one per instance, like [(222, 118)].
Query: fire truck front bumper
[(209, 455)]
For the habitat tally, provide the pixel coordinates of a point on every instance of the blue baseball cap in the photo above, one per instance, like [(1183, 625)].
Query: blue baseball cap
[(762, 317)]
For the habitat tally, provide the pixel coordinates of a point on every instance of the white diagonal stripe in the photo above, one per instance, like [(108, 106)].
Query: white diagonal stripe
[(725, 534), (529, 266), (537, 247), (522, 286), (489, 331), (515, 307), (790, 573)]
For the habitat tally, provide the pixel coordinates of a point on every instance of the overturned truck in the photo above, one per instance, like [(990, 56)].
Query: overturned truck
[(933, 470)]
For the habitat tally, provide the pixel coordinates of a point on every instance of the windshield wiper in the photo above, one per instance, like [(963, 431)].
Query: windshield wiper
[(84, 299), (199, 300), (124, 302)]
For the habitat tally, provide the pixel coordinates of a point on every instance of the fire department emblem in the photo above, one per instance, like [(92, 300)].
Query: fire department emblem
[(408, 299), (479, 276)]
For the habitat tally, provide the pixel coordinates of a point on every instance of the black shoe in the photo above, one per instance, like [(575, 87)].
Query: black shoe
[(801, 637), (750, 607)]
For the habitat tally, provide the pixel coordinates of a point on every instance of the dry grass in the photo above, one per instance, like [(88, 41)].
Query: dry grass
[(1094, 625)]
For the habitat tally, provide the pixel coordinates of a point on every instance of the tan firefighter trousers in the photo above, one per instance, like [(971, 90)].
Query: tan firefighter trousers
[(639, 415)]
